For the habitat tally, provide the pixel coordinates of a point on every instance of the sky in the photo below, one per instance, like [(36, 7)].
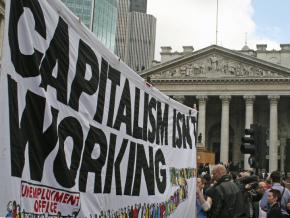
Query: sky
[(193, 22)]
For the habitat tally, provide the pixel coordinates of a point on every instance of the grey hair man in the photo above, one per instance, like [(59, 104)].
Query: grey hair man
[(227, 199)]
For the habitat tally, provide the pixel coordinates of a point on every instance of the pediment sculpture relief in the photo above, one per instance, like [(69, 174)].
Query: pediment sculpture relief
[(214, 66)]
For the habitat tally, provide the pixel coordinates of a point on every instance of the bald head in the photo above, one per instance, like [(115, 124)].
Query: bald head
[(262, 187), (244, 174), (262, 184), (218, 171)]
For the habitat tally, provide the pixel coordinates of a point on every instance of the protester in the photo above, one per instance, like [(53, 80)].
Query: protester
[(261, 190), (285, 194), (268, 181), (274, 198), (203, 204), (227, 199)]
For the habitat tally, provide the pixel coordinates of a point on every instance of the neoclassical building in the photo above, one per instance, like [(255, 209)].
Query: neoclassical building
[(231, 90)]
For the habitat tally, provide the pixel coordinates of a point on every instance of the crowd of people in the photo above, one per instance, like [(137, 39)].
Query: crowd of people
[(222, 193)]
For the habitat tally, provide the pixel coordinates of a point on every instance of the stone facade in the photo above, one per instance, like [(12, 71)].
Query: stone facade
[(231, 90), (280, 57), (216, 66)]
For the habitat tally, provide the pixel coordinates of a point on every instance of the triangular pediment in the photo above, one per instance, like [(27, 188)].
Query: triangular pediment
[(217, 62)]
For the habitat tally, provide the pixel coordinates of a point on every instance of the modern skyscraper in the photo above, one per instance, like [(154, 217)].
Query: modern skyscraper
[(135, 37), (122, 28), (138, 6), (141, 41), (100, 16)]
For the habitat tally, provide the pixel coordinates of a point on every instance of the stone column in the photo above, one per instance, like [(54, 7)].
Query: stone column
[(273, 139), (249, 100), (179, 98), (282, 155), (224, 151), (201, 117), (1, 33)]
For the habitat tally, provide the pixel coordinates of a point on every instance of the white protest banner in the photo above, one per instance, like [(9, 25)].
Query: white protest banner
[(82, 135)]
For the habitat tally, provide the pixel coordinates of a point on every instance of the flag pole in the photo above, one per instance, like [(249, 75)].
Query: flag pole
[(217, 15)]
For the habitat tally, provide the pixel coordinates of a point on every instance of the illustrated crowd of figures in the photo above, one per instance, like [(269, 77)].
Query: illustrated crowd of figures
[(179, 176), (14, 211), (156, 210), (178, 181)]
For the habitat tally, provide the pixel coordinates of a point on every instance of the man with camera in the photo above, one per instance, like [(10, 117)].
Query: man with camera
[(249, 186)]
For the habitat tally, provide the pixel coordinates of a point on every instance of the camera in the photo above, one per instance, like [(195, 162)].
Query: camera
[(252, 191), (249, 186)]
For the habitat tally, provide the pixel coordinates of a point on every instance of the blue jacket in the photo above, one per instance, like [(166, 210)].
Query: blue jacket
[(199, 211)]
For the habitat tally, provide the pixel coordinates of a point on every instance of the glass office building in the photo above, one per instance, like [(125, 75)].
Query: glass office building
[(100, 16)]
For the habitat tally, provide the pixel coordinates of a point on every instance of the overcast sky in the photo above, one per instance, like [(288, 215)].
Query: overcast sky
[(192, 22)]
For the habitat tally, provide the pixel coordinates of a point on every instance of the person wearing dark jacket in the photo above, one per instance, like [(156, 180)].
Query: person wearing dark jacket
[(227, 199), (285, 194), (274, 198)]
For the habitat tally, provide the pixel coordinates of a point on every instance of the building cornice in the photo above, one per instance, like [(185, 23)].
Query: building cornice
[(223, 81), (216, 49)]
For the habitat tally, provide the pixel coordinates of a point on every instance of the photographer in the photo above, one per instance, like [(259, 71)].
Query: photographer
[(249, 186)]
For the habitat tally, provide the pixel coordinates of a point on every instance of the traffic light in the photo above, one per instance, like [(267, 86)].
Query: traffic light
[(253, 143), (249, 140)]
